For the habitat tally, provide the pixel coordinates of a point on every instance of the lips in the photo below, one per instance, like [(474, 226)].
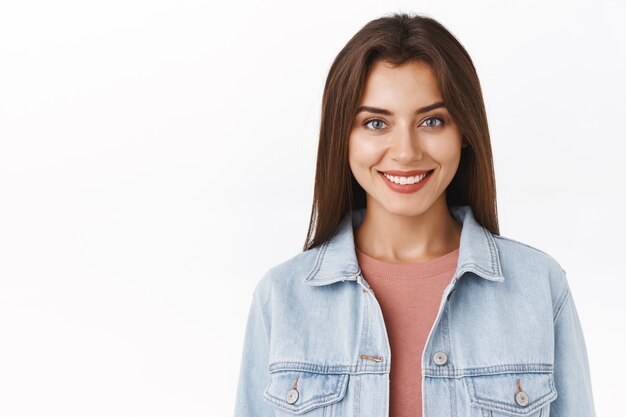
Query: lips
[(408, 187), (407, 173)]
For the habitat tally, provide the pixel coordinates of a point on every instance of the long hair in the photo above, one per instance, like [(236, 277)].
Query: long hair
[(398, 38)]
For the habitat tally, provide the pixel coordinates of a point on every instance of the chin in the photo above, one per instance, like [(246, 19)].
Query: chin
[(405, 209)]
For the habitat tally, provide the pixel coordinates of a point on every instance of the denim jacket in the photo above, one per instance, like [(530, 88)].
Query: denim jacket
[(506, 341)]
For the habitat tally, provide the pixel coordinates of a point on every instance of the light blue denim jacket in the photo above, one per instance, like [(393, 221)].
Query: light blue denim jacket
[(506, 341)]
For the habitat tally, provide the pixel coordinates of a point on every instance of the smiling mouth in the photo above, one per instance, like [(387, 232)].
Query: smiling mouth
[(406, 180)]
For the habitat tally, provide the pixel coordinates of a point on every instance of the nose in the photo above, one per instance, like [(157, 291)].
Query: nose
[(405, 147)]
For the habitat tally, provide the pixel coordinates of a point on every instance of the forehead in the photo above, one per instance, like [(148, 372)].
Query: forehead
[(411, 82)]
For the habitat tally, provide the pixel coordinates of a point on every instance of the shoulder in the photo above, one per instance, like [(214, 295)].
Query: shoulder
[(521, 250), (284, 274), (516, 256)]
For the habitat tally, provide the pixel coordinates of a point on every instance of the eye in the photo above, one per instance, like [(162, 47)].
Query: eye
[(443, 122), (367, 122)]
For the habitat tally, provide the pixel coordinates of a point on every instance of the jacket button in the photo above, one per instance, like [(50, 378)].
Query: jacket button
[(292, 396), (521, 398), (440, 358)]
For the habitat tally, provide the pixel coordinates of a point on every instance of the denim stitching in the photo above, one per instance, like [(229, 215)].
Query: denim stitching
[(338, 389), (425, 406), (387, 399), (318, 261), (489, 370), (362, 323), (314, 400), (477, 269), (544, 400), (492, 249), (521, 243), (484, 402), (373, 367), (560, 304), (365, 367), (448, 346), (364, 342), (357, 397)]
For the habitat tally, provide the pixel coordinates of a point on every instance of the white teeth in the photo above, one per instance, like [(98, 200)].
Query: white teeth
[(405, 180)]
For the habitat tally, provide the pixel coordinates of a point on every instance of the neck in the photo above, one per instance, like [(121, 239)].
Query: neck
[(407, 239)]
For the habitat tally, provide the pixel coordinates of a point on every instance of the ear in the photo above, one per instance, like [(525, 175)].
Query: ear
[(464, 144)]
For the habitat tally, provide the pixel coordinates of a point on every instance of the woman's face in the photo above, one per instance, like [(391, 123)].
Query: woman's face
[(402, 126)]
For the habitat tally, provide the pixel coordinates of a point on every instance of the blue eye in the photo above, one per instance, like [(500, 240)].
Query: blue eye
[(367, 122), (436, 118), (430, 125)]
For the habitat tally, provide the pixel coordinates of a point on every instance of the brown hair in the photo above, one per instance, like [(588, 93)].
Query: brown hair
[(399, 38)]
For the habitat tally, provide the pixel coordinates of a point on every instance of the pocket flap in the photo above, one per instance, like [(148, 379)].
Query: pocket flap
[(500, 393), (313, 389)]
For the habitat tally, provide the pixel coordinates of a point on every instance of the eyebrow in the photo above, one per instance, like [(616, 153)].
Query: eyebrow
[(424, 109)]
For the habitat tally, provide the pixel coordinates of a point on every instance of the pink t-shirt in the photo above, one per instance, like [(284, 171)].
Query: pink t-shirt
[(409, 296)]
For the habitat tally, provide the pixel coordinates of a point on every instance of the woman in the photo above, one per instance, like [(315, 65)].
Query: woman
[(406, 301)]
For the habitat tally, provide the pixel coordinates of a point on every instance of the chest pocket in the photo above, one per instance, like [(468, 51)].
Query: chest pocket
[(524, 394), (304, 392)]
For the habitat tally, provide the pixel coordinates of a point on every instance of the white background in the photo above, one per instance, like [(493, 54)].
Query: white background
[(157, 157)]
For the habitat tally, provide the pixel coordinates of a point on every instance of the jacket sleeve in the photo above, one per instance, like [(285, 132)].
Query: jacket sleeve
[(571, 365), (254, 369)]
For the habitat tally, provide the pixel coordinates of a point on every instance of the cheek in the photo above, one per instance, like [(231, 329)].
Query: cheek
[(363, 153), (452, 157), (446, 153)]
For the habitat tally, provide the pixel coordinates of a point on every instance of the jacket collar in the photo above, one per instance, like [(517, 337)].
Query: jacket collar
[(336, 258)]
